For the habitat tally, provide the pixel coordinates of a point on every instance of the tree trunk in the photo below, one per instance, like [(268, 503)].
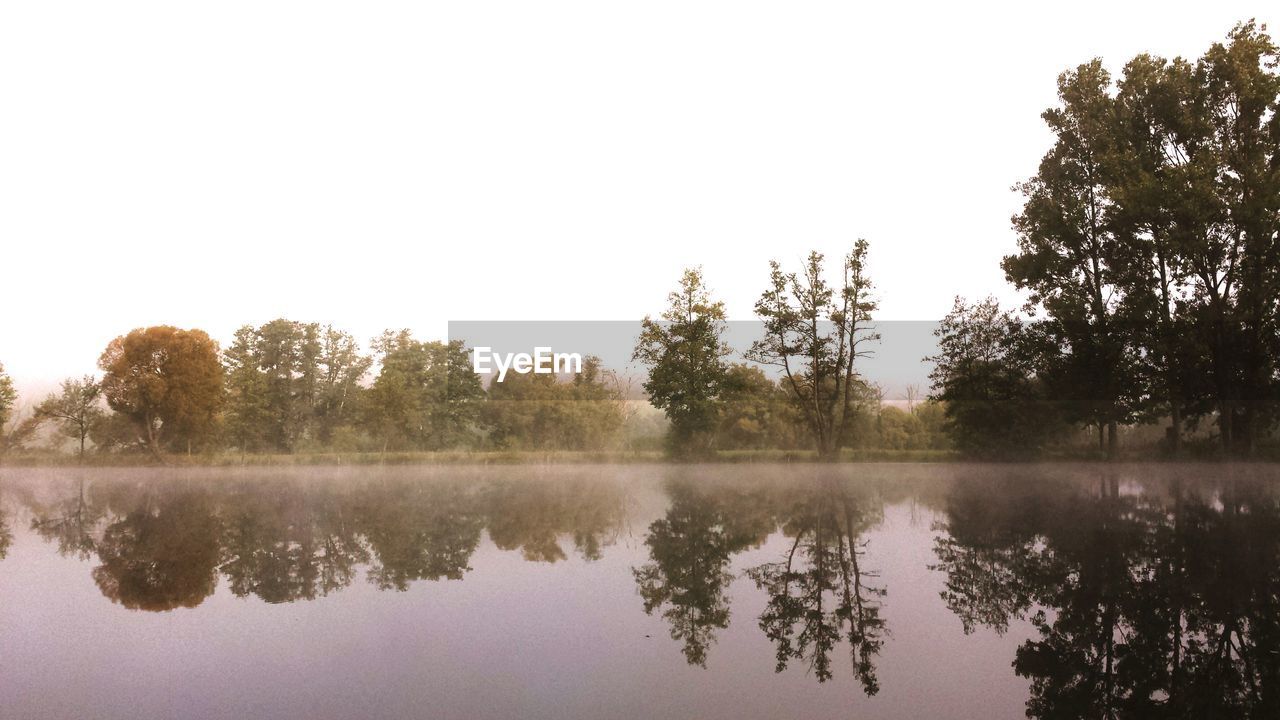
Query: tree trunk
[(1113, 440)]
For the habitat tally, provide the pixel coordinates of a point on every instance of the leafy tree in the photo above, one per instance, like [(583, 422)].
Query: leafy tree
[(272, 372), (815, 332), (755, 413), (290, 382), (15, 431), (342, 368), (685, 357), (1151, 238), (167, 381), (426, 395), (248, 415), (8, 396), (540, 412), (984, 375), (1067, 248), (76, 409), (1238, 260)]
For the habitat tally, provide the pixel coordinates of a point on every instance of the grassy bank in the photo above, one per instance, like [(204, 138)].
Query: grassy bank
[(497, 457)]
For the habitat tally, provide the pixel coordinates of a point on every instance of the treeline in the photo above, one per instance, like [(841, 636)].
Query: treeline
[(291, 387), (1149, 249), (288, 386)]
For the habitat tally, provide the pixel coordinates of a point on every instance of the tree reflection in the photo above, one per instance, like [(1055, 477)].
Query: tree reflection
[(70, 522), (690, 549), (292, 545), (421, 531), (531, 515), (6, 533), (161, 555), (820, 593), (1152, 602)]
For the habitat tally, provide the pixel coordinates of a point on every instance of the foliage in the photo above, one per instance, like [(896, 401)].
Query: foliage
[(290, 383), (755, 413), (814, 333), (685, 356), (425, 396), (76, 410), (984, 377), (8, 396), (1151, 238), (168, 382), (538, 412)]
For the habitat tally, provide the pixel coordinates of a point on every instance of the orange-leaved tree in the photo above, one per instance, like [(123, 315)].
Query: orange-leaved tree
[(168, 382)]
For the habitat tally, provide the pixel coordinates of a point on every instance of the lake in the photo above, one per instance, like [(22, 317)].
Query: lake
[(645, 591)]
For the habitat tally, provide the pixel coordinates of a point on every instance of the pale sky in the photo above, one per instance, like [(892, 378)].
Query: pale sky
[(403, 164)]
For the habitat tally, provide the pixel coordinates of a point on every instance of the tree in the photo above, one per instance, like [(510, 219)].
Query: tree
[(1241, 104), (76, 409), (984, 376), (1066, 251), (290, 382), (815, 334), (539, 412), (248, 415), (755, 413), (341, 367), (426, 395), (685, 357), (167, 381), (14, 429), (272, 372), (1151, 238), (8, 396)]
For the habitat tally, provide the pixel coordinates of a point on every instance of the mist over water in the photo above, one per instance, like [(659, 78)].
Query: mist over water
[(887, 591)]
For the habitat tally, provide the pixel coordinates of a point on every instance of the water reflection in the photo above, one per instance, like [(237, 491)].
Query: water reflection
[(690, 549), (164, 545), (1130, 593), (822, 592), (1156, 598)]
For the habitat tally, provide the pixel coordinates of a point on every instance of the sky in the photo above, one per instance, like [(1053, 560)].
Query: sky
[(406, 164)]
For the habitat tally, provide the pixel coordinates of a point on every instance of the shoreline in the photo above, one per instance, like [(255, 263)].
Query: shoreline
[(620, 457)]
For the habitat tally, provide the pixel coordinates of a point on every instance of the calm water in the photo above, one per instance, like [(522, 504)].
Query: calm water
[(861, 591)]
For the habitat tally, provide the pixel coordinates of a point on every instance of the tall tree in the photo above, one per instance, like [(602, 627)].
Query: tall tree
[(1066, 252), (341, 368), (815, 332), (272, 379), (248, 417), (1242, 98), (1152, 153), (167, 381), (290, 382), (426, 395), (685, 356), (75, 409)]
